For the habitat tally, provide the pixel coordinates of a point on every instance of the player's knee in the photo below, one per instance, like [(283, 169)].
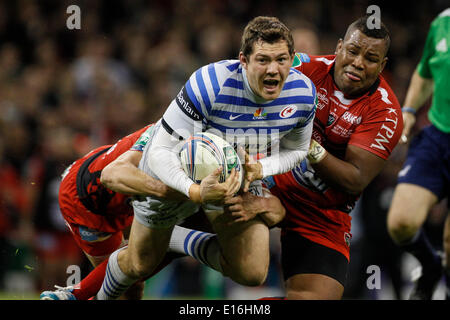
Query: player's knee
[(253, 275), (402, 229), (139, 267)]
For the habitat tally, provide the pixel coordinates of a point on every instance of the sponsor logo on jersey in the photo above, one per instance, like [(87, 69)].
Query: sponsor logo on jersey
[(186, 105), (234, 116), (386, 132), (384, 96), (288, 111), (347, 238), (331, 119), (140, 144), (322, 99), (404, 171), (299, 58), (351, 118), (260, 114), (91, 235)]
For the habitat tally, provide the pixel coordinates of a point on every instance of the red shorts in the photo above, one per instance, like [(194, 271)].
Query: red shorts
[(327, 227)]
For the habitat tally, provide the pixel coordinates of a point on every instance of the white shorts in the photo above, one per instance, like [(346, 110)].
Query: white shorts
[(157, 213)]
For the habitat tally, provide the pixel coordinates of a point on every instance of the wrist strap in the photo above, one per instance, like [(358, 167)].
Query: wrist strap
[(409, 110)]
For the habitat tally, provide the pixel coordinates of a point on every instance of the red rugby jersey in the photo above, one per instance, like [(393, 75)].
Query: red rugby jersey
[(372, 122), (103, 202)]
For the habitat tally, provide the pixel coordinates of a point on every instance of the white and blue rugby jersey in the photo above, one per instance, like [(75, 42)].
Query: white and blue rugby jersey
[(218, 98)]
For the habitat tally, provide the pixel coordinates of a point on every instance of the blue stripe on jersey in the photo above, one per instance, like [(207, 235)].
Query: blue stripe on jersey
[(312, 112), (290, 100), (295, 84), (227, 99), (249, 116), (296, 71), (233, 83), (193, 98), (238, 101), (233, 66), (202, 87), (267, 129), (213, 77)]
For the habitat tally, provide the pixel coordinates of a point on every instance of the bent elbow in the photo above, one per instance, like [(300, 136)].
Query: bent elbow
[(107, 177), (354, 188)]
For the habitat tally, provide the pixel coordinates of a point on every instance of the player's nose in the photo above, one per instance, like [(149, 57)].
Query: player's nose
[(272, 68), (357, 62)]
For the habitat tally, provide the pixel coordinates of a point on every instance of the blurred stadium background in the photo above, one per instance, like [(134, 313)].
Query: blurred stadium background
[(63, 92)]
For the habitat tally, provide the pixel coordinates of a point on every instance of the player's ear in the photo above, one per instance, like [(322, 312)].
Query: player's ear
[(383, 63), (339, 45), (243, 59)]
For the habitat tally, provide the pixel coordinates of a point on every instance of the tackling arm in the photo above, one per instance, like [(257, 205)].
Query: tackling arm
[(123, 176), (352, 174)]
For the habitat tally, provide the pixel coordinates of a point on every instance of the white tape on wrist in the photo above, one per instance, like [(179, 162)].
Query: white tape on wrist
[(316, 152)]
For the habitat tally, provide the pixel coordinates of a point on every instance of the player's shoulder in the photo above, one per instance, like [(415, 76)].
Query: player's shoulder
[(226, 66), (218, 72), (441, 21), (443, 15), (304, 59), (384, 96), (142, 137)]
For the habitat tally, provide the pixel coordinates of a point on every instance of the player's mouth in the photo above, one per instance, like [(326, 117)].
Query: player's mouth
[(271, 85), (353, 76)]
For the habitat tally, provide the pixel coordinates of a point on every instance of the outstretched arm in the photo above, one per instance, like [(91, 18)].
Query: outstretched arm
[(123, 176)]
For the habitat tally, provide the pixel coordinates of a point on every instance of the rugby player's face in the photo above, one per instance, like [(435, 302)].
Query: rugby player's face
[(267, 68), (359, 61)]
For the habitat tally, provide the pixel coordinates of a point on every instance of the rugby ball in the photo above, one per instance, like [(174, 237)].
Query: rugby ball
[(204, 152)]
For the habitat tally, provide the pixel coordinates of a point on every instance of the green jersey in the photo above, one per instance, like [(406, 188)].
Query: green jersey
[(435, 64)]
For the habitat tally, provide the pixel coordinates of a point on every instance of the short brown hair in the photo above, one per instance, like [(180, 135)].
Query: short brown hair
[(266, 29)]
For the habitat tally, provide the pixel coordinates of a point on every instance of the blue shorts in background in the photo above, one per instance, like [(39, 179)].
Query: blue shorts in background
[(427, 163)]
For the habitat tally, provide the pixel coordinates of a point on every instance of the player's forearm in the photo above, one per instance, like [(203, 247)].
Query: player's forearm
[(419, 90), (125, 178), (340, 174)]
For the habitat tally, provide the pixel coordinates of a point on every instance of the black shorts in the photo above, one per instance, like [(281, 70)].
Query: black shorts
[(427, 164), (300, 255)]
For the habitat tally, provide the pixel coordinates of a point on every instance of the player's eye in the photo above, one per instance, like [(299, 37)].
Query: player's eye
[(261, 60)]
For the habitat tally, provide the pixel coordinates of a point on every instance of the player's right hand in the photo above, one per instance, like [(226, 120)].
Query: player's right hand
[(211, 191)]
